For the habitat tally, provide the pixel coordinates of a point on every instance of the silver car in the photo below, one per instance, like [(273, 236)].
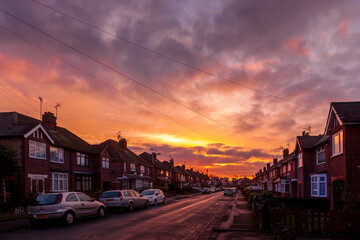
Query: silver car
[(66, 206), (155, 196), (128, 199)]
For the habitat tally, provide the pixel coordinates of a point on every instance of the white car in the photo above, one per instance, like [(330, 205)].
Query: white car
[(212, 190), (155, 196)]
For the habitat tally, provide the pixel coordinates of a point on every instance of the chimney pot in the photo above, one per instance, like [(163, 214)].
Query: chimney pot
[(275, 161), (172, 162), (268, 166), (183, 166)]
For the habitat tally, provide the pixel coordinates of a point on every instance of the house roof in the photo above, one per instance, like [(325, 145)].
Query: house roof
[(348, 112), (118, 153), (16, 124), (182, 170), (171, 167), (147, 157), (307, 141)]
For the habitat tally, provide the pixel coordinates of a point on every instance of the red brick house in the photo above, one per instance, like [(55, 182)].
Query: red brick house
[(51, 158)]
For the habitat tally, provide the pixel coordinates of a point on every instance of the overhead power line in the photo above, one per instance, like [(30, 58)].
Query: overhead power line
[(105, 83), (171, 58), (126, 76)]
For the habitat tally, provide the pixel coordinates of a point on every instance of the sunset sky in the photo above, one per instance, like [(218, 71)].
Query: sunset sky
[(218, 85)]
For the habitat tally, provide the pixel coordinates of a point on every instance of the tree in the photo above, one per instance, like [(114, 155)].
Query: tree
[(8, 166)]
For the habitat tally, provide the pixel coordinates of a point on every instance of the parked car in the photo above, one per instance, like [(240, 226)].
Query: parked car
[(212, 190), (154, 196), (205, 190), (66, 206), (229, 191), (128, 199)]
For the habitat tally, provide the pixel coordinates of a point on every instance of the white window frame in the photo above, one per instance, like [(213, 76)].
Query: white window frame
[(320, 150), (269, 186), (105, 162), (317, 181), (82, 159), (59, 182), (283, 184), (132, 167), (339, 148), (300, 159), (142, 169), (37, 147), (59, 154)]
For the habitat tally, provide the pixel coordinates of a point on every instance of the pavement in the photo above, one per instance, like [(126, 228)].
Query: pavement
[(238, 222), (20, 223)]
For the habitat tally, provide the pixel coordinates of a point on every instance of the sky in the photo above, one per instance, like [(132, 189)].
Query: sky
[(220, 86)]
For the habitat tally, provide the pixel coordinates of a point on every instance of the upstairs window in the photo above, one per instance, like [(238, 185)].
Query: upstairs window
[(320, 155), (142, 169), (37, 149), (300, 159), (289, 166), (337, 143), (105, 162), (132, 167), (124, 166), (82, 159), (56, 155)]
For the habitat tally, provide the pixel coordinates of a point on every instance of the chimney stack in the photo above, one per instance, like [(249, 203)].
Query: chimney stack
[(172, 161), (123, 143), (268, 166), (264, 169), (275, 161), (285, 152), (49, 120), (183, 166)]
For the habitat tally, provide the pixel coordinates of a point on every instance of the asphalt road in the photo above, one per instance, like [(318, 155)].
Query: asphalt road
[(187, 218)]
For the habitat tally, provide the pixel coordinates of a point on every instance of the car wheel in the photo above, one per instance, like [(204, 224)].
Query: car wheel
[(164, 201), (146, 205), (155, 202), (69, 218), (101, 212), (131, 207)]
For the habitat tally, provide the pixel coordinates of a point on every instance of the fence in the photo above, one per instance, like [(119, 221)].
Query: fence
[(311, 222)]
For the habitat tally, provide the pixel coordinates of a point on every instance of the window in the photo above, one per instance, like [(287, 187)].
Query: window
[(337, 143), (58, 182), (284, 169), (142, 169), (105, 162), (320, 155), (318, 185), (82, 159), (269, 186), (300, 159), (285, 186), (289, 166), (37, 149), (132, 167), (56, 155), (71, 198), (82, 183), (124, 166)]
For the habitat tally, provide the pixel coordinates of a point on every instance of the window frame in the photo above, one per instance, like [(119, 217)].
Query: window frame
[(105, 162), (320, 150), (82, 157), (300, 157), (59, 181), (37, 145), (316, 182), (340, 136), (59, 151)]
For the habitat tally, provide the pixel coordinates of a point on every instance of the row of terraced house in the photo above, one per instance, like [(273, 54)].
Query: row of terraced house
[(53, 159), (325, 166)]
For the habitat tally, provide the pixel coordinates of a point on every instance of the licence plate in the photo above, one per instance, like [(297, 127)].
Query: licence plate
[(109, 200), (42, 216)]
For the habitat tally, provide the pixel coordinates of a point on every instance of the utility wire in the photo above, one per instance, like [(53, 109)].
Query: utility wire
[(173, 59), (104, 82), (126, 76), (10, 100)]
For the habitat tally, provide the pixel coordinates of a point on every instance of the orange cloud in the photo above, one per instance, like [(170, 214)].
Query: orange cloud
[(297, 46)]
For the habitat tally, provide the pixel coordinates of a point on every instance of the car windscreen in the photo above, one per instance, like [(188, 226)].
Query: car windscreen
[(47, 199), (148, 192), (110, 195)]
